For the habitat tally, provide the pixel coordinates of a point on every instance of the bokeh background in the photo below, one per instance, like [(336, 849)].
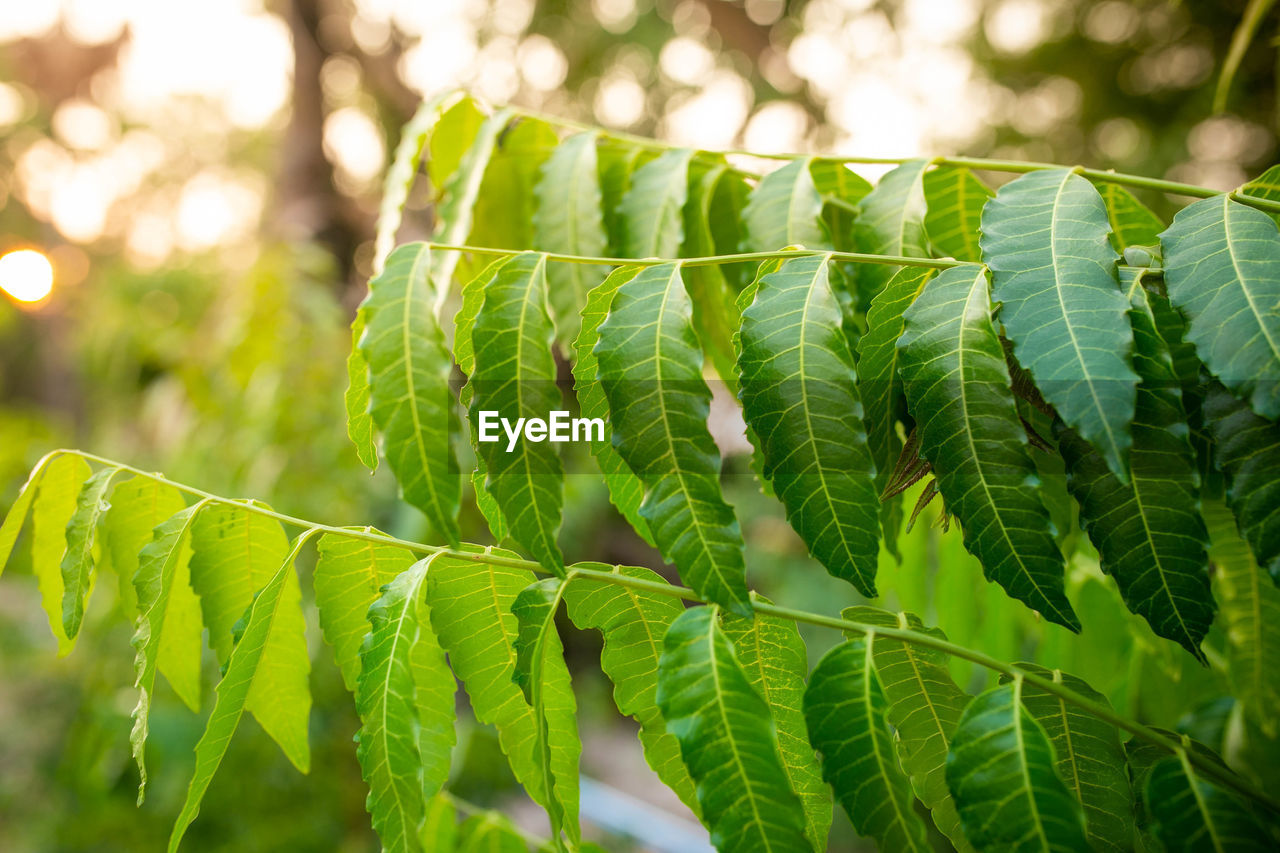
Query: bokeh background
[(203, 178)]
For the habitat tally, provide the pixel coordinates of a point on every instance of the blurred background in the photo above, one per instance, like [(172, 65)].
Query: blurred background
[(187, 198)]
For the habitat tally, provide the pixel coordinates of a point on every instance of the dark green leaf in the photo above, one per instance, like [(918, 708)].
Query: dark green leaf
[(727, 738), (617, 162), (409, 383), (1221, 273), (957, 386), (1001, 771), (785, 209), (515, 376), (844, 707), (799, 396), (842, 189), (1190, 815), (714, 315), (650, 365)]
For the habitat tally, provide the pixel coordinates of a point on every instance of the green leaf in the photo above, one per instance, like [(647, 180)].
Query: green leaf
[(891, 221), (471, 613), (714, 314), (536, 643), (17, 514), (490, 832), (625, 489), (1089, 756), (405, 698), (54, 505), (785, 209), (244, 670), (356, 397), (1148, 532), (650, 365), (455, 213), (507, 203), (1001, 771), (236, 552), (515, 376), (845, 710), (168, 621), (400, 176), (1247, 451), (773, 657), (440, 825), (799, 396), (569, 220), (77, 564), (1044, 236), (652, 210), (925, 706), (411, 401), (1266, 185), (955, 198), (841, 189), (465, 355), (349, 577), (727, 738), (1220, 271), (1250, 609), (137, 506), (1132, 222), (617, 162), (880, 385), (957, 386), (633, 622), (1191, 815)]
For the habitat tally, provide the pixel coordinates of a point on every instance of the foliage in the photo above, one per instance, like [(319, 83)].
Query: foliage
[(1022, 356)]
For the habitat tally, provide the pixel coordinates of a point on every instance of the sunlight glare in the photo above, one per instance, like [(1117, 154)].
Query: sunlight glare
[(26, 275)]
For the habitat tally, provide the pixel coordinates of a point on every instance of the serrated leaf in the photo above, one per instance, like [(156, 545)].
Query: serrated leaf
[(77, 565), (1250, 610), (650, 365), (349, 577), (844, 707), (1220, 272), (18, 510), (785, 209), (633, 622), (1089, 757), (54, 505), (925, 706), (1266, 185), (625, 489), (168, 620), (515, 376), (400, 176), (465, 355), (471, 613), (714, 314), (1045, 239), (954, 199), (234, 554), (569, 220), (1132, 222), (773, 657), (891, 221), (455, 213), (137, 506), (1247, 452), (1148, 531), (1189, 815), (356, 397), (957, 386), (536, 639), (507, 203), (1001, 771), (617, 162), (727, 739), (411, 402), (405, 699), (652, 211), (880, 384), (800, 399), (841, 189), (244, 670)]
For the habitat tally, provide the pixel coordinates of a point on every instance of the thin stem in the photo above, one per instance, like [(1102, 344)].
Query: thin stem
[(1208, 769), (711, 260), (980, 163)]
